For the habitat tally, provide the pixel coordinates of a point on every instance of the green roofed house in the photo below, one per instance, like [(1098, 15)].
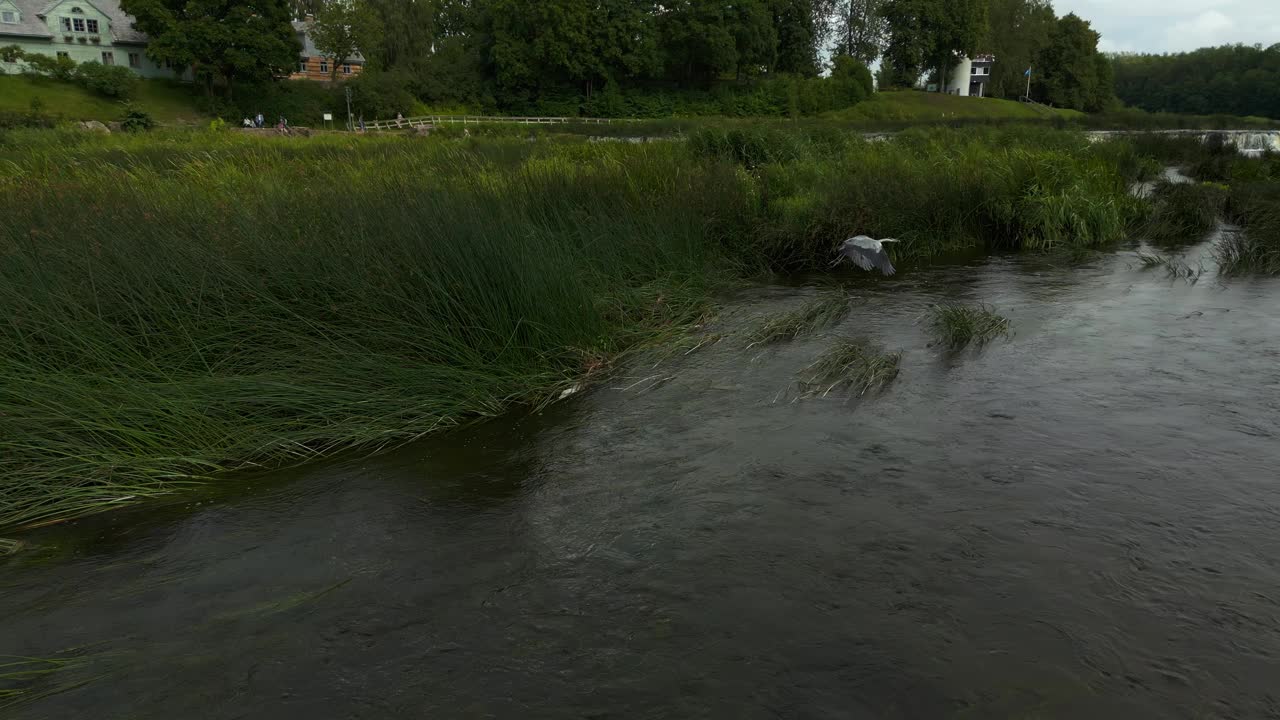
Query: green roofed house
[(83, 30)]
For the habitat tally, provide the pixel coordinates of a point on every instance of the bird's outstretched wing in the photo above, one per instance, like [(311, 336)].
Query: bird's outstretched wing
[(883, 263), (861, 257)]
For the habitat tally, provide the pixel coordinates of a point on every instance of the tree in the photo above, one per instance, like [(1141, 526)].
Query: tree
[(860, 29), (542, 42), (1072, 73), (699, 43), (224, 41), (303, 8), (409, 29), (932, 34), (1019, 30), (797, 33), (1236, 79), (342, 29)]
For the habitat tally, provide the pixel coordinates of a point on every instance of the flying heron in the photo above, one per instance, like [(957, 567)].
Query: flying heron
[(867, 253)]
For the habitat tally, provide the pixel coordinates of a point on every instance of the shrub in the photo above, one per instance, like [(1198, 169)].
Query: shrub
[(852, 80), (111, 81), (381, 94), (61, 67), (136, 120)]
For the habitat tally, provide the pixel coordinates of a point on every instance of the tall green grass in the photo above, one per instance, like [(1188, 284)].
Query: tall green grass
[(180, 305), (1255, 206)]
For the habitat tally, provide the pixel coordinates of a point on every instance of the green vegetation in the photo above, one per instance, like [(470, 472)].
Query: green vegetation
[(822, 312), (26, 679), (957, 326), (1256, 207), (222, 42), (1244, 191), (168, 102), (1235, 79), (855, 365), (905, 107), (225, 301), (1184, 212)]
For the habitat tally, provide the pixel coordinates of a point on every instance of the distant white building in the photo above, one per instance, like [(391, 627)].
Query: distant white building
[(970, 76)]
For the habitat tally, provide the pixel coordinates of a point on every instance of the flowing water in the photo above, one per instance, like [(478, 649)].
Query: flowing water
[(1082, 521), (1250, 143)]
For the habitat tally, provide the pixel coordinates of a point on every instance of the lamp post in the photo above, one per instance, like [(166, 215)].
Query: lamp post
[(350, 118)]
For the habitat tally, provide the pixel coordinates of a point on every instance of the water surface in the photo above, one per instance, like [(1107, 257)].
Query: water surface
[(1083, 521)]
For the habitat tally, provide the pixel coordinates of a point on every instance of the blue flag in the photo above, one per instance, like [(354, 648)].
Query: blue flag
[(1028, 72)]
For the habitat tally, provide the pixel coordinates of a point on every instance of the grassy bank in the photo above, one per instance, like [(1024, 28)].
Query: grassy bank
[(167, 102), (914, 107), (219, 302)]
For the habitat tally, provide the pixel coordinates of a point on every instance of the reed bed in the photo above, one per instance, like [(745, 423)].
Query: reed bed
[(175, 306), (822, 312), (1255, 249), (857, 366), (957, 326)]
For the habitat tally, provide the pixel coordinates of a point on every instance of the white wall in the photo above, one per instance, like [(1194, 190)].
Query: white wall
[(958, 82)]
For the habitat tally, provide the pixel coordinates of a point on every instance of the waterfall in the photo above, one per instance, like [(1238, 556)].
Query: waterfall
[(1248, 142)]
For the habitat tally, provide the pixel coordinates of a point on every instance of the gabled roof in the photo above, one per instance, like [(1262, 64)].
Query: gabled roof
[(33, 12), (29, 22), (309, 49)]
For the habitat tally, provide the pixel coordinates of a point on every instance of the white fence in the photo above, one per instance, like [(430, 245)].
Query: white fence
[(431, 120)]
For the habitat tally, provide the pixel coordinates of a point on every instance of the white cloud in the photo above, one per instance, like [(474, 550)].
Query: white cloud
[(1177, 25)]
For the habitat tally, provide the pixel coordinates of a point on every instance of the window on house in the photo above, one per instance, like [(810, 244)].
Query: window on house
[(135, 60), (77, 24), (93, 26), (986, 71), (77, 11), (9, 16), (64, 55), (302, 65), (66, 24), (346, 69), (324, 66), (108, 58), (974, 71)]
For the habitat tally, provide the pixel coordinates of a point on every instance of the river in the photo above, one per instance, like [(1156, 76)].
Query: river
[(1082, 521)]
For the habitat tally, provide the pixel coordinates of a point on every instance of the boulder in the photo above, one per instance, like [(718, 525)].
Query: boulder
[(95, 126), (115, 126)]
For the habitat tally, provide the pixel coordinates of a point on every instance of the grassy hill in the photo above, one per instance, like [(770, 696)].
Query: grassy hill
[(168, 102), (909, 106)]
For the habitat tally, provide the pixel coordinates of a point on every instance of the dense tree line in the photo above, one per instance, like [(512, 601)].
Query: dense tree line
[(926, 37), (638, 57), (1233, 79)]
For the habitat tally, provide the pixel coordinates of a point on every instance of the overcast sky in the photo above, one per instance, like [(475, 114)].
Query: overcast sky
[(1174, 25)]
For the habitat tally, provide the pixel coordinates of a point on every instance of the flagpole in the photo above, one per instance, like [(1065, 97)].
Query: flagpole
[(1028, 84)]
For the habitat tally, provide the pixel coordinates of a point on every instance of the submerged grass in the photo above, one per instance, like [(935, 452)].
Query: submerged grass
[(1176, 268), (178, 305), (27, 679), (822, 312), (957, 326), (854, 365)]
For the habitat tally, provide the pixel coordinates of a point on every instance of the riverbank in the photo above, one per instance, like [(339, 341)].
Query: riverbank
[(222, 303)]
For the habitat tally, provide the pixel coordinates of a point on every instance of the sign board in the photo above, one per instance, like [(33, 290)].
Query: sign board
[(933, 87), (328, 117)]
